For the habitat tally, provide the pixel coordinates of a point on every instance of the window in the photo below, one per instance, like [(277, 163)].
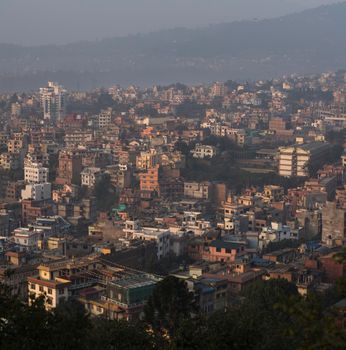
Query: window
[(41, 289), (33, 286), (50, 291), (61, 291)]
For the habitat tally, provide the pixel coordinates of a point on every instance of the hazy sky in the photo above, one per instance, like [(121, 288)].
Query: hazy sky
[(32, 22)]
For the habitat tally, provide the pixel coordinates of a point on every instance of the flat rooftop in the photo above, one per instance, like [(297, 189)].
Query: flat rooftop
[(134, 282)]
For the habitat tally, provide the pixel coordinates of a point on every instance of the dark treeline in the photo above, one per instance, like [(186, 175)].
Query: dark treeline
[(269, 315)]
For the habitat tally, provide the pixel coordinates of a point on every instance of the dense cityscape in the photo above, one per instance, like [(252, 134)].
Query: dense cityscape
[(175, 217)]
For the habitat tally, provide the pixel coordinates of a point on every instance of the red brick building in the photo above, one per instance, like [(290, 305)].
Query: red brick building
[(70, 167)]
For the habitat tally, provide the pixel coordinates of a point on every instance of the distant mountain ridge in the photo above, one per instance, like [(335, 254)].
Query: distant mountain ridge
[(307, 42)]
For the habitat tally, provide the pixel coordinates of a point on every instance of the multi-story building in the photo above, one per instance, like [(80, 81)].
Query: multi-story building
[(54, 291), (160, 236), (130, 295), (18, 143), (218, 250), (343, 159), (55, 280), (37, 192), (70, 168), (149, 180), (27, 238), (52, 225), (273, 193), (119, 177), (277, 123), (90, 176), (4, 223), (10, 161), (78, 138), (275, 233), (197, 190), (105, 118), (147, 160), (204, 151), (35, 156), (302, 160), (85, 209), (35, 173), (219, 89), (53, 100), (16, 109), (333, 224), (33, 209)]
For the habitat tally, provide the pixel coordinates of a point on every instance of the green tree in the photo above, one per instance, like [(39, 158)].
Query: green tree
[(105, 194), (122, 335), (310, 326), (23, 326), (191, 334), (170, 304), (340, 257), (71, 320)]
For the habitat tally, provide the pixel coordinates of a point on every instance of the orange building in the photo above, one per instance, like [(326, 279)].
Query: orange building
[(217, 251), (149, 180), (224, 251)]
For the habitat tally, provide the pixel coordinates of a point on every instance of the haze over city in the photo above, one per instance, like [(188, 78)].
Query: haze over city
[(172, 175), (37, 22)]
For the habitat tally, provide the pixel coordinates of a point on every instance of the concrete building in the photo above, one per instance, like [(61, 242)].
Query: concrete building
[(27, 238), (277, 123), (90, 176), (4, 224), (333, 224), (204, 151), (218, 89), (70, 167), (55, 281), (18, 144), (275, 233), (149, 180), (273, 193), (343, 159), (120, 176), (160, 236), (31, 210), (197, 190), (55, 292), (36, 173), (301, 160), (53, 100), (105, 118), (10, 161), (147, 160), (37, 192), (52, 225), (223, 251), (78, 138), (131, 294)]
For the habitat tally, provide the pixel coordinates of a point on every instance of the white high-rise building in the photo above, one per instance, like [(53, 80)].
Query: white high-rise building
[(53, 100), (35, 173)]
